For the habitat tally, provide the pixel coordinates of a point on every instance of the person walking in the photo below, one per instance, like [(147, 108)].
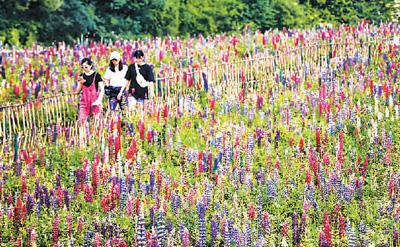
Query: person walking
[(115, 82), (92, 87), (141, 79)]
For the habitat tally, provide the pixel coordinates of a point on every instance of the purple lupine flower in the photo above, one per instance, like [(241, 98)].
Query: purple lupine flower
[(182, 229), (247, 235), (202, 224), (310, 195), (175, 202), (131, 184), (152, 217), (38, 208), (170, 226), (55, 205), (141, 231), (161, 231), (87, 242), (207, 195), (227, 237), (214, 228), (295, 229), (122, 194), (302, 228), (66, 198), (272, 193), (351, 235), (58, 182), (38, 190), (46, 196), (228, 153), (152, 179), (362, 230), (395, 237), (235, 236), (29, 204)]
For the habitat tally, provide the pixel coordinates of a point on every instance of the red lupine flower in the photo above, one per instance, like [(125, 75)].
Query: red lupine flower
[(141, 129), (88, 193), (80, 225), (129, 207), (308, 178), (69, 225), (318, 137), (97, 240), (137, 206), (119, 125), (212, 104), (23, 184), (301, 145), (342, 226), (16, 90), (95, 176), (122, 243), (165, 112), (327, 229), (131, 153), (285, 230), (117, 145), (251, 211), (56, 229)]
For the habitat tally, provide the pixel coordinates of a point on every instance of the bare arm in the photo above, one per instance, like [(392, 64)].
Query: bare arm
[(80, 81), (101, 94)]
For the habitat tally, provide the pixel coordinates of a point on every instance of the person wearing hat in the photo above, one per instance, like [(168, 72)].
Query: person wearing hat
[(115, 82)]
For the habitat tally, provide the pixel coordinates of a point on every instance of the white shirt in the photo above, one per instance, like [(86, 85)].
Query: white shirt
[(117, 78)]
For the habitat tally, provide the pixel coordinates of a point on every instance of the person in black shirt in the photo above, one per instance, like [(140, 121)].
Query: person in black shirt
[(140, 88)]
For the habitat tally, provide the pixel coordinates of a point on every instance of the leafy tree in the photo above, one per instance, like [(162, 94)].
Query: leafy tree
[(290, 13), (23, 22), (260, 14)]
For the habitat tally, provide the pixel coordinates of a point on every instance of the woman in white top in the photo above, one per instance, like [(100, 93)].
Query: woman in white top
[(115, 82)]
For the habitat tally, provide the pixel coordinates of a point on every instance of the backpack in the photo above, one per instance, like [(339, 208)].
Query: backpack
[(140, 79)]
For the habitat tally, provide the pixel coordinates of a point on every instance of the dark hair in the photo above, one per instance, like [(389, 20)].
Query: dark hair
[(138, 54), (112, 67), (87, 60)]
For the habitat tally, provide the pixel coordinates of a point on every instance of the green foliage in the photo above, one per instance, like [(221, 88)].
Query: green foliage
[(47, 21)]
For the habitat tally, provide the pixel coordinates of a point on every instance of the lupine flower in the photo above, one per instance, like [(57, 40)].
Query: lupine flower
[(29, 204), (342, 226), (97, 240), (272, 193), (161, 231), (122, 194), (295, 229), (55, 230), (351, 236), (363, 234), (214, 228), (227, 237), (235, 236), (202, 224), (141, 231), (302, 228), (87, 242)]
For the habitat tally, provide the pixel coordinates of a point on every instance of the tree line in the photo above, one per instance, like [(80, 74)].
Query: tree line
[(24, 22)]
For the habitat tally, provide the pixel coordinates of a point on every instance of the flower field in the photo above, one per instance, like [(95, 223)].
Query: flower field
[(287, 138)]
